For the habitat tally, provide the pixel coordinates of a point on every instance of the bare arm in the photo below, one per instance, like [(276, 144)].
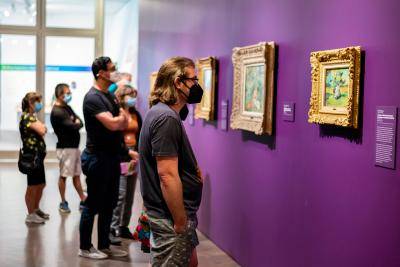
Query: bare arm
[(38, 127), (171, 187), (113, 123)]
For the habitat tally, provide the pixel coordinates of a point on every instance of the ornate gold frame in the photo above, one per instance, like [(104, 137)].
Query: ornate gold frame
[(321, 61), (262, 53), (207, 110), (152, 78)]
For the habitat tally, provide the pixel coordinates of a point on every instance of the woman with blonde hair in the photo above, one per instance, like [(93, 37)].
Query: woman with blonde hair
[(32, 135), (126, 96)]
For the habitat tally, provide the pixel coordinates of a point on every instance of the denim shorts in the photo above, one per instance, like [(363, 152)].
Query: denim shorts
[(169, 248)]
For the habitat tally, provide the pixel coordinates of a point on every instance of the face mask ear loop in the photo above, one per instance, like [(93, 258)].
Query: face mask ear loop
[(187, 96)]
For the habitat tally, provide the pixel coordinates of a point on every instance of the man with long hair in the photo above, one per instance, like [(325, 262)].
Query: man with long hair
[(171, 181)]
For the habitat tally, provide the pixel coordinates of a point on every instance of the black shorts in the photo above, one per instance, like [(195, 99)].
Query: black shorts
[(37, 177)]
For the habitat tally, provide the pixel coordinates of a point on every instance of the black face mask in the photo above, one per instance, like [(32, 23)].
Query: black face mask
[(184, 112), (195, 94)]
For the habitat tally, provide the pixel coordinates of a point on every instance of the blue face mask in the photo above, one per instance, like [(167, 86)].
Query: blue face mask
[(38, 106), (67, 98), (130, 102), (112, 88)]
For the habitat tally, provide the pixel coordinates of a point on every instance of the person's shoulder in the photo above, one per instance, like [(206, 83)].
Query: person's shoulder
[(92, 96), (162, 114), (28, 118), (162, 110), (24, 117), (56, 109)]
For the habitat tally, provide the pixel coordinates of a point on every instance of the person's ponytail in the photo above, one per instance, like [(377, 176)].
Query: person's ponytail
[(25, 103), (29, 98)]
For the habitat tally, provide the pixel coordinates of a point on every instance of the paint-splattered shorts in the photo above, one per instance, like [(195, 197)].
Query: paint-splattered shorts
[(169, 248)]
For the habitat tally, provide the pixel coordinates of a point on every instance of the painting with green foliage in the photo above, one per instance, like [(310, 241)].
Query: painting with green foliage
[(336, 87), (254, 88)]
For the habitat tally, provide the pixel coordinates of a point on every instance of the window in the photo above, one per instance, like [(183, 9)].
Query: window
[(18, 12), (68, 60), (46, 42), (70, 14), (42, 43), (17, 76)]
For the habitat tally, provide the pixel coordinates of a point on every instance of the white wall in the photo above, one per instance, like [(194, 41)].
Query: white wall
[(121, 33)]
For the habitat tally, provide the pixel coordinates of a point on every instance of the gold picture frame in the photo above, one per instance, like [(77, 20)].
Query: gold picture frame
[(153, 77), (335, 77), (207, 74), (253, 88)]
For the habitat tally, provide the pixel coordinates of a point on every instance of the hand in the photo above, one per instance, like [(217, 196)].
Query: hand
[(180, 227), (77, 121), (133, 154), (133, 163)]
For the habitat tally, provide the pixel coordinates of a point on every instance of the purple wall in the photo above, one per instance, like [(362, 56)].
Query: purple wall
[(309, 196)]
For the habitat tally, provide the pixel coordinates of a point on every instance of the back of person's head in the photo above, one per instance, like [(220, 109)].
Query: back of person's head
[(98, 64), (164, 90), (59, 90), (126, 76), (126, 90), (30, 98)]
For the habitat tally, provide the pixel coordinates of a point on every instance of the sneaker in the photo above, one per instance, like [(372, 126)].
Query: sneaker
[(81, 205), (115, 232), (114, 252), (34, 218), (92, 253), (115, 241), (42, 214), (125, 233), (64, 207)]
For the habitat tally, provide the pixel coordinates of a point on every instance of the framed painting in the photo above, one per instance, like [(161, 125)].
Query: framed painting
[(253, 88), (335, 77), (207, 74)]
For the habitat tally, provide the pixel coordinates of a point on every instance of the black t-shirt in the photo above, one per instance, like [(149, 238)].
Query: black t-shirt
[(62, 119), (163, 134), (99, 138)]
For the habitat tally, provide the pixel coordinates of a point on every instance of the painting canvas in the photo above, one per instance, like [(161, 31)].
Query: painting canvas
[(207, 80), (254, 84), (336, 87)]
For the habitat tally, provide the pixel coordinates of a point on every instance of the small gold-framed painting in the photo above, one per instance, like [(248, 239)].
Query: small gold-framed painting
[(335, 77), (253, 88), (153, 77), (207, 74)]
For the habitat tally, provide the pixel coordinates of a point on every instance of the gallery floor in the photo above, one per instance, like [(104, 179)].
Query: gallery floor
[(56, 242)]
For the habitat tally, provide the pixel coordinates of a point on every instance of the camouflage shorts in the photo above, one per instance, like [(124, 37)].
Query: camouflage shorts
[(169, 248)]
